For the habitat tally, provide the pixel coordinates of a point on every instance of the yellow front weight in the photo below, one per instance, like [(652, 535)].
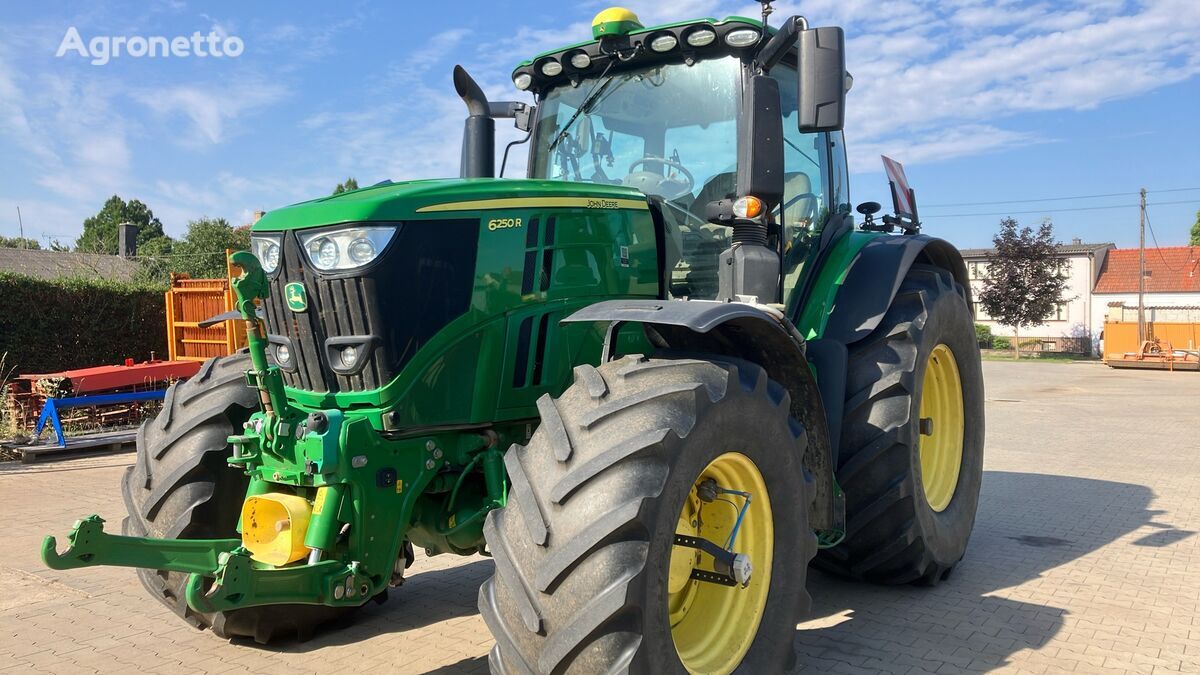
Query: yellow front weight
[(273, 527)]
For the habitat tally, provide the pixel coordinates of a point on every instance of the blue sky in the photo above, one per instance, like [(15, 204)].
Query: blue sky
[(983, 102)]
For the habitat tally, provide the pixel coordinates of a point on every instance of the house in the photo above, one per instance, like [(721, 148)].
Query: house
[(1072, 326), (51, 265), (60, 264), (1172, 288)]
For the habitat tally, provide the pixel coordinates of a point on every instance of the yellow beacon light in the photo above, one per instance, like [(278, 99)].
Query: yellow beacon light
[(615, 21)]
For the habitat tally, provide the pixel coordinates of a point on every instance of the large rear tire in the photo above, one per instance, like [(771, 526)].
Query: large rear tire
[(911, 457), (181, 487), (588, 576)]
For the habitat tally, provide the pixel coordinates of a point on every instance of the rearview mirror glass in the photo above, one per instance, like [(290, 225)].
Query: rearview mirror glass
[(822, 79)]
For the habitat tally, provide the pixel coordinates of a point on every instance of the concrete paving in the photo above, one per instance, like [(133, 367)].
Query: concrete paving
[(1085, 558)]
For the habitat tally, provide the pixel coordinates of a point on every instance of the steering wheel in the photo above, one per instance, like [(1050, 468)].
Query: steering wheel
[(663, 181), (812, 205), (794, 244)]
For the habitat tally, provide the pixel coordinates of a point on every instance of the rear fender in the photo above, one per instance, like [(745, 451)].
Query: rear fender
[(752, 332)]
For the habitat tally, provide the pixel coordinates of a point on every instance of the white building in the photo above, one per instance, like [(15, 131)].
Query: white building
[(1073, 324)]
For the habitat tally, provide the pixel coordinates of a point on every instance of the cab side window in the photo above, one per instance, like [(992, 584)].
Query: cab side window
[(840, 199), (807, 167)]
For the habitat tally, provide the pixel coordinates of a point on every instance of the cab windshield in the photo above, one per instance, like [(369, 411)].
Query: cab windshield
[(670, 130)]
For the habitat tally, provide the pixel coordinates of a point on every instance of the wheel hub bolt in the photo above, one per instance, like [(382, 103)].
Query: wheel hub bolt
[(742, 569)]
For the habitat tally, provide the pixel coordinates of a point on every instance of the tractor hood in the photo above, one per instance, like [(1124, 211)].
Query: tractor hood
[(430, 199)]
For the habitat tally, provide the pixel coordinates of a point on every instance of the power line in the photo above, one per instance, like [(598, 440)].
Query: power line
[(1040, 211), (1055, 199), (1158, 246), (156, 256)]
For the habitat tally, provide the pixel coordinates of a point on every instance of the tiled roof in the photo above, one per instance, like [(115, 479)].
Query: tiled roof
[(1171, 269), (1062, 249), (60, 264)]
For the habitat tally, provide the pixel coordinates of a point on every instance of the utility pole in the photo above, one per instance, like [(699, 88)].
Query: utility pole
[(1142, 270), (21, 224)]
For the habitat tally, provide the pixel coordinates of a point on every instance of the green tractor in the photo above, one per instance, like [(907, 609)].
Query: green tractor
[(655, 380)]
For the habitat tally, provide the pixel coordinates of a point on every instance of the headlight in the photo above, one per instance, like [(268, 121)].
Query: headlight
[(551, 68), (346, 249), (523, 81), (283, 355), (362, 250), (265, 247), (580, 60), (743, 37), (701, 37), (664, 43)]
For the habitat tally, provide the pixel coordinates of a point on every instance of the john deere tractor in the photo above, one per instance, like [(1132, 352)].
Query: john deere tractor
[(655, 380)]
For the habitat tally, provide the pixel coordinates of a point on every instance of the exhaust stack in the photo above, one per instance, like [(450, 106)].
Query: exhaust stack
[(479, 132)]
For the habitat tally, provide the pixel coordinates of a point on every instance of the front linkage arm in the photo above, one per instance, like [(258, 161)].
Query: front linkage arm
[(89, 545), (238, 583)]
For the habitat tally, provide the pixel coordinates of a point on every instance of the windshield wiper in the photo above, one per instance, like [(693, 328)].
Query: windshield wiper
[(589, 101)]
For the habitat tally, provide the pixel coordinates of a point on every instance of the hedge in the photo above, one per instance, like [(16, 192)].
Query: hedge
[(983, 335), (47, 326)]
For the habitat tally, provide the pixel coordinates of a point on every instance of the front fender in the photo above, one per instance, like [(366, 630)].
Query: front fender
[(751, 332), (875, 276)]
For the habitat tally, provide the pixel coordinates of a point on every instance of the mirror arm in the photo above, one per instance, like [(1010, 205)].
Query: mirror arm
[(515, 110), (781, 43)]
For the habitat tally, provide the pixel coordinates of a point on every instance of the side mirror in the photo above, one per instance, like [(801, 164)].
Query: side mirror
[(822, 79)]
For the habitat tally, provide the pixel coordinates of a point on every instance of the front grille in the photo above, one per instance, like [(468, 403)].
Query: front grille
[(422, 282)]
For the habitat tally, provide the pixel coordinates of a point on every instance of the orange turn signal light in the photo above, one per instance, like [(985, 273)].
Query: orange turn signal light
[(749, 207)]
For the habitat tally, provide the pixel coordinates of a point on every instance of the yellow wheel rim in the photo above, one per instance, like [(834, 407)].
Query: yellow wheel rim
[(941, 423), (712, 625)]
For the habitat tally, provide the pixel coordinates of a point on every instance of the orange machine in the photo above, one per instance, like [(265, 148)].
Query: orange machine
[(191, 301), (1168, 346)]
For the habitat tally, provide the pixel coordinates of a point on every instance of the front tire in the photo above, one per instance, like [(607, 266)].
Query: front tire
[(911, 458), (181, 487), (588, 576)]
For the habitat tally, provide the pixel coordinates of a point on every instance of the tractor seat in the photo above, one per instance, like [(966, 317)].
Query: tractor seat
[(720, 186), (800, 212)]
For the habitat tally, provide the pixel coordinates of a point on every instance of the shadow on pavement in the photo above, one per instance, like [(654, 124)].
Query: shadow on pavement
[(479, 664), (1027, 524), (426, 598)]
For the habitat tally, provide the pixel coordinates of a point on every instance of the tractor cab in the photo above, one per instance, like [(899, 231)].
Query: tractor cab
[(658, 110)]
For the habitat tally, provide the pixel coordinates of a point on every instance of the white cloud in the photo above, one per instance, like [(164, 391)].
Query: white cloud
[(939, 145), (211, 107)]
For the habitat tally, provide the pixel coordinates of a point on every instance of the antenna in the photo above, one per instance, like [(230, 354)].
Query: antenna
[(767, 10)]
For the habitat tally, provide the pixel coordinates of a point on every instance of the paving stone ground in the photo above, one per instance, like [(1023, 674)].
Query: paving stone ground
[(1085, 558)]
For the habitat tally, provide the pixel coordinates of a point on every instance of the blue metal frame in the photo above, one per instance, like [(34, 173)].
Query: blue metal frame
[(53, 405)]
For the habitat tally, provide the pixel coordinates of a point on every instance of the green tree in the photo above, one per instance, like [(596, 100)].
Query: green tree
[(350, 185), (19, 242), (1195, 241), (201, 253), (100, 231), (1023, 284), (156, 260)]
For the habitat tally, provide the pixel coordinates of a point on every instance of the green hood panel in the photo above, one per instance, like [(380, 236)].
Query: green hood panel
[(410, 200)]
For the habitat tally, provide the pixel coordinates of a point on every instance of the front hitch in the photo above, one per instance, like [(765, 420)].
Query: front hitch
[(223, 576), (89, 545), (240, 582)]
